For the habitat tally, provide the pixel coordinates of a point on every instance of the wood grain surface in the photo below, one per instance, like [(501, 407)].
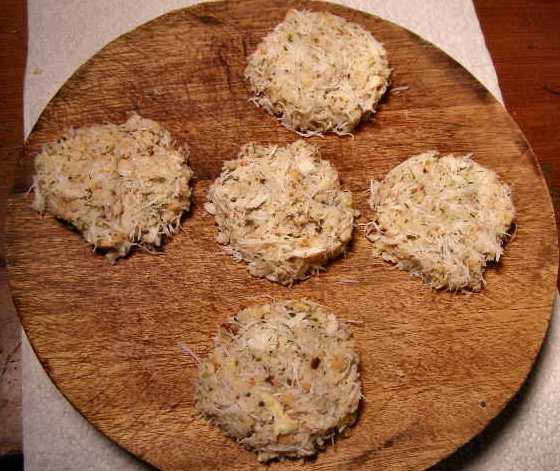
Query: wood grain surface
[(437, 366)]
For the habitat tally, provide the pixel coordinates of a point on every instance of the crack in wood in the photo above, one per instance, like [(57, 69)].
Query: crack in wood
[(9, 359), (551, 90)]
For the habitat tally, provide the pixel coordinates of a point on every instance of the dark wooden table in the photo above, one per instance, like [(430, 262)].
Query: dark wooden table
[(523, 37), (13, 36)]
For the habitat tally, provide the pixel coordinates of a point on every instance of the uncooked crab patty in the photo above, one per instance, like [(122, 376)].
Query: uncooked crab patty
[(442, 218), (281, 210), (119, 185), (282, 379), (318, 72)]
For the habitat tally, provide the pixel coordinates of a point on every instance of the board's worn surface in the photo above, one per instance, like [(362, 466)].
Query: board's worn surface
[(437, 366)]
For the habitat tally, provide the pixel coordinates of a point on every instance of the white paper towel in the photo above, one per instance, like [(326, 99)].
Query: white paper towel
[(65, 33)]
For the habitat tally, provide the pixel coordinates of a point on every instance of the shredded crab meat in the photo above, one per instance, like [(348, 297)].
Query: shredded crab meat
[(282, 379), (442, 218), (318, 73), (281, 210), (120, 185)]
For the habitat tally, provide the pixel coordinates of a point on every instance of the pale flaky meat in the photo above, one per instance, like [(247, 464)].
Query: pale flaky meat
[(318, 73), (281, 209), (120, 185), (282, 379), (444, 218)]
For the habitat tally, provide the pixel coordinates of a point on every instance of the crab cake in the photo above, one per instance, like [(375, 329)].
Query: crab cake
[(120, 185), (282, 379), (318, 72), (442, 218), (281, 210)]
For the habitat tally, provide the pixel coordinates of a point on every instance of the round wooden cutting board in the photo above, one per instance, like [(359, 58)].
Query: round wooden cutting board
[(437, 366)]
